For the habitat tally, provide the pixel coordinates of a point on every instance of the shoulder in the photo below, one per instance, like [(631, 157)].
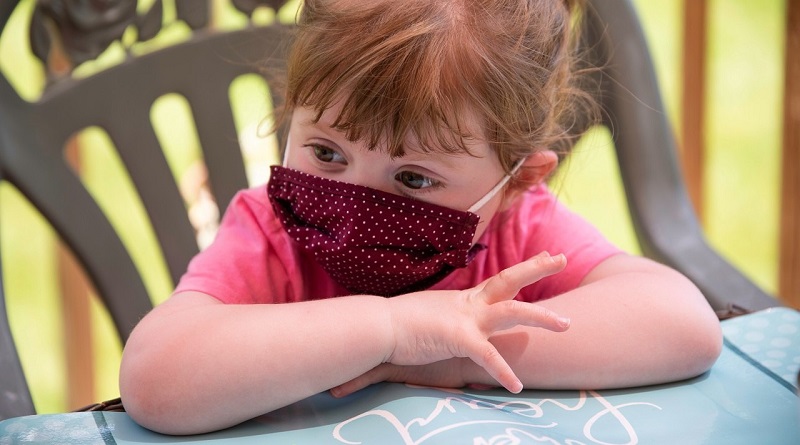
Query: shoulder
[(537, 205), (251, 260), (252, 202), (250, 213), (539, 212), (534, 212), (539, 222)]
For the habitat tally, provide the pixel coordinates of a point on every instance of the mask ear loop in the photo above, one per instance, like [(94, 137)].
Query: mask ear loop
[(496, 189), (286, 151)]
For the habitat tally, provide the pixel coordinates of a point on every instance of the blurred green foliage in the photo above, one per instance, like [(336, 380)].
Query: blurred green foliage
[(742, 179)]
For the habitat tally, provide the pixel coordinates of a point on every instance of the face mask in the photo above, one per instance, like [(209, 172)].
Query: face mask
[(373, 242)]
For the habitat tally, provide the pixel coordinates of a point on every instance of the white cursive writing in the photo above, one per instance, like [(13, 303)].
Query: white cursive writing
[(526, 423)]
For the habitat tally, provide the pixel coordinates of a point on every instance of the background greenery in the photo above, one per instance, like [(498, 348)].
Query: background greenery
[(743, 139)]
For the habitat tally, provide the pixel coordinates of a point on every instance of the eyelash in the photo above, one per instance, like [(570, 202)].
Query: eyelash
[(435, 185), (416, 193), (317, 147)]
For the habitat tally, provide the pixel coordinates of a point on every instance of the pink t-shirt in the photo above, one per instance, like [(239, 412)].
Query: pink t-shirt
[(253, 260)]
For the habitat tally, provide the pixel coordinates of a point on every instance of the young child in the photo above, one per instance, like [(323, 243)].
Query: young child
[(420, 136)]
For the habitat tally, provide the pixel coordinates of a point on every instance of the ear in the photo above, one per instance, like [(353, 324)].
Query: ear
[(535, 169), (538, 166)]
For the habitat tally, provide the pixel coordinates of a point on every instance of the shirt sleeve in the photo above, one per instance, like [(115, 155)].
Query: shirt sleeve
[(250, 260)]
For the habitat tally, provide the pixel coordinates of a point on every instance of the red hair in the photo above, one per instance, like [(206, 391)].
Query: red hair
[(420, 67)]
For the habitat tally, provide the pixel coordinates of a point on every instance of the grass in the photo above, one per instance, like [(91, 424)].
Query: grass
[(742, 182)]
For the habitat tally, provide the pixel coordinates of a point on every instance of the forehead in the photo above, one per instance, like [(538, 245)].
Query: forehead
[(463, 133)]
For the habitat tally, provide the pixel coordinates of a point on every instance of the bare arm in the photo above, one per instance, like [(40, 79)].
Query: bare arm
[(634, 322), (195, 365)]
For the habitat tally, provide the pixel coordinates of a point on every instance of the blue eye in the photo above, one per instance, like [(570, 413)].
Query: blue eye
[(414, 180)]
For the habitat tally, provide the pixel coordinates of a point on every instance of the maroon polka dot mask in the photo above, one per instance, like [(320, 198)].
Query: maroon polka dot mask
[(369, 241)]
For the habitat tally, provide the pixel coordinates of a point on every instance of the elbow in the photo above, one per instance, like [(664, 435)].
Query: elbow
[(685, 353), (691, 333), (701, 344), (162, 396), (155, 410), (697, 330), (142, 401), (151, 401), (707, 347)]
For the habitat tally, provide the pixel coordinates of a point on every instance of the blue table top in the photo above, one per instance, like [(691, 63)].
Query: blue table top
[(749, 396)]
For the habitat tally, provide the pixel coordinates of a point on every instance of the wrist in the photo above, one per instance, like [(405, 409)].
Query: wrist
[(387, 329)]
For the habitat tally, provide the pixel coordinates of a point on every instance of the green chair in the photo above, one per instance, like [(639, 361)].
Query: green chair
[(119, 100), (663, 218)]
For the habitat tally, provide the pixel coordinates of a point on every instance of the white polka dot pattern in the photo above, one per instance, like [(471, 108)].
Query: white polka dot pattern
[(371, 241), (771, 338)]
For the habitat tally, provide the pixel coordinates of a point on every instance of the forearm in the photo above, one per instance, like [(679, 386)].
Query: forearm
[(192, 368), (641, 327)]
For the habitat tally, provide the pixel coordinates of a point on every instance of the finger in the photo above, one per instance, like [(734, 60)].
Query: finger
[(507, 314), (487, 357), (506, 284), (375, 375), (543, 254)]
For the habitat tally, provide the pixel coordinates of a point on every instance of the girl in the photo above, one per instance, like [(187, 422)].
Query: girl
[(420, 136)]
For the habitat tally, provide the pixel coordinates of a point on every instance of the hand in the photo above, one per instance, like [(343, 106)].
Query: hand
[(432, 326)]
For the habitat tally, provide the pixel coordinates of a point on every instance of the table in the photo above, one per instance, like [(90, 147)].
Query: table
[(748, 397)]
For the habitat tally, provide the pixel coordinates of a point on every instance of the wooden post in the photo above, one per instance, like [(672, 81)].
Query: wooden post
[(789, 243), (74, 287), (693, 100), (76, 315)]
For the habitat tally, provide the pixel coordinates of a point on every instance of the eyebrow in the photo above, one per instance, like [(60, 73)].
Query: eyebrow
[(448, 160), (321, 125)]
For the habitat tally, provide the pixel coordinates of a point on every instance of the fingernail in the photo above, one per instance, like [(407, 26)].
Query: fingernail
[(558, 258), (564, 322)]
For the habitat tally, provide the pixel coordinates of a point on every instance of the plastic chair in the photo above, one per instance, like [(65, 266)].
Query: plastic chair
[(119, 99), (663, 218)]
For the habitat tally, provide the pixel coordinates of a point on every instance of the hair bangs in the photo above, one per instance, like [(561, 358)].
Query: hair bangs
[(405, 78)]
